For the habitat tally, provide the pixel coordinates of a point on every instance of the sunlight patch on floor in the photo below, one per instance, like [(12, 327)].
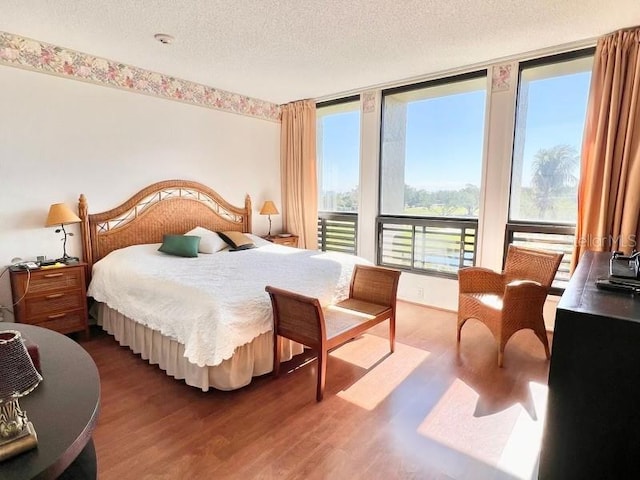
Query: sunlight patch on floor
[(520, 454), (380, 381), (363, 351), (509, 439)]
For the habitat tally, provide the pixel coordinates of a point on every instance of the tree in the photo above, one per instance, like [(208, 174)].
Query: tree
[(469, 198), (332, 201), (443, 202), (553, 174), (347, 201), (446, 201), (411, 196)]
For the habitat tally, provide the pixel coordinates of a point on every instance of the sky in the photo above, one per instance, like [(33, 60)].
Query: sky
[(555, 115), (444, 135), (341, 150), (444, 141)]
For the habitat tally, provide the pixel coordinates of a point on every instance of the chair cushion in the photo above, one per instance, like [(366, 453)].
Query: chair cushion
[(362, 306), (490, 300), (350, 318)]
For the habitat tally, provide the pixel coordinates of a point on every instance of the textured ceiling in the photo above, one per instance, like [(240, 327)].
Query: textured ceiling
[(284, 50)]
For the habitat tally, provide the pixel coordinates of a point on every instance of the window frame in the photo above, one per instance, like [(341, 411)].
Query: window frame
[(330, 221), (415, 220), (514, 228), (449, 222), (326, 215), (536, 227)]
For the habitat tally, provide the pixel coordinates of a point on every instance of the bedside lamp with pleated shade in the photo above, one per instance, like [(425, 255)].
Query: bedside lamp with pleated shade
[(269, 208), (60, 214)]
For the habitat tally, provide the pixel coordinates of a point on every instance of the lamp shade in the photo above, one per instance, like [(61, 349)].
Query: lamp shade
[(60, 214), (18, 376), (269, 208)]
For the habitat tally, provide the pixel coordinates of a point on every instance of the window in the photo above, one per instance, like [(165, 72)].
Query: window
[(550, 117), (552, 104), (430, 173), (338, 160)]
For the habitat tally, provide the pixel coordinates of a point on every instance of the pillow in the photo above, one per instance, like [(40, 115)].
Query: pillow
[(258, 241), (180, 245), (237, 240), (210, 242)]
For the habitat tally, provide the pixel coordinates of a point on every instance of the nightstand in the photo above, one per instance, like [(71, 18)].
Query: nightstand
[(290, 241), (54, 298)]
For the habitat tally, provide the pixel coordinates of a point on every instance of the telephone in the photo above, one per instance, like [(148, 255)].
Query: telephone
[(625, 267), (28, 266)]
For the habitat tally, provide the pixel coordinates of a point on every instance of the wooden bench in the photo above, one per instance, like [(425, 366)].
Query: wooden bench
[(372, 299)]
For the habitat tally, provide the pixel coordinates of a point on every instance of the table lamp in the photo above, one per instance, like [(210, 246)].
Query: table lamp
[(60, 214), (18, 377), (269, 208)]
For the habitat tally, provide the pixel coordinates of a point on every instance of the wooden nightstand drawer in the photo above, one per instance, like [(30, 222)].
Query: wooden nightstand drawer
[(54, 298), (42, 281), (53, 303), (289, 241), (65, 322)]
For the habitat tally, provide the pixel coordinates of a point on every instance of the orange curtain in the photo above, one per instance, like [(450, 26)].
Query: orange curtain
[(298, 172), (609, 190)]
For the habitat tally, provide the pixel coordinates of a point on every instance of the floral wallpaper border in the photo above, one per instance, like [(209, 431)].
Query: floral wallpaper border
[(501, 77), (369, 101), (21, 52)]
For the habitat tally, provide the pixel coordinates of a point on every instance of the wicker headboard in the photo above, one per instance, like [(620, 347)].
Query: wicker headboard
[(169, 207)]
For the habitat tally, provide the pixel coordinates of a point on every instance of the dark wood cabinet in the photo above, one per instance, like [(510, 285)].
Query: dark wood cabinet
[(592, 428), (54, 298)]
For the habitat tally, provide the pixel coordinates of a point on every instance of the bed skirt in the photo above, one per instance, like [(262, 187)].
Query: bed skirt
[(248, 361)]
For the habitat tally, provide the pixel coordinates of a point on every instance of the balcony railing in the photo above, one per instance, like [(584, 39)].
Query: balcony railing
[(557, 238), (338, 232), (437, 247)]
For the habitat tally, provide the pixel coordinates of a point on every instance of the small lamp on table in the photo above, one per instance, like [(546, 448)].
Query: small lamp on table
[(269, 208), (60, 214)]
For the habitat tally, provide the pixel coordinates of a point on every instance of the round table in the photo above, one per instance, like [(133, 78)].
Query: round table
[(63, 409)]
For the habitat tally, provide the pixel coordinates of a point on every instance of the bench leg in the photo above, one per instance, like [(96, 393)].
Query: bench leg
[(322, 374), (276, 355), (392, 333)]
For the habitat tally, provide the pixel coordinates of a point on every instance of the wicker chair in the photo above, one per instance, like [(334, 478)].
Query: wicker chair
[(372, 299), (512, 300)]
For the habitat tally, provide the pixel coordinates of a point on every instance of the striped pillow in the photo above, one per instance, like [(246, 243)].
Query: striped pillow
[(237, 240)]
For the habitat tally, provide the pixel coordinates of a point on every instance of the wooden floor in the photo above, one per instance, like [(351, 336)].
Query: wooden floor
[(425, 412)]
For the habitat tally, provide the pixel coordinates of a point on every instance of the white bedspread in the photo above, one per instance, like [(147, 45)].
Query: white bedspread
[(216, 302)]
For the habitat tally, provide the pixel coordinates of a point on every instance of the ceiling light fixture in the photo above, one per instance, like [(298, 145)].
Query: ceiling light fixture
[(164, 38)]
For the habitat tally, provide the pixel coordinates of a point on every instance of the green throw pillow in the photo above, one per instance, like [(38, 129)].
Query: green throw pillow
[(180, 245), (237, 240)]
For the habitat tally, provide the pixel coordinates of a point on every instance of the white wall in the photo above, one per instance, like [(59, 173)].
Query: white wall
[(61, 137)]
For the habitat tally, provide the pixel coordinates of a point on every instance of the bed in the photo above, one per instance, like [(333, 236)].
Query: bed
[(205, 320)]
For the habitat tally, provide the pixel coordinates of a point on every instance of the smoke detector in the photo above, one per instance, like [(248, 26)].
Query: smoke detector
[(163, 38)]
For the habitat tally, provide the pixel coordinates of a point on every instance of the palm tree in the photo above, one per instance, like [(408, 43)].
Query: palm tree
[(553, 173)]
